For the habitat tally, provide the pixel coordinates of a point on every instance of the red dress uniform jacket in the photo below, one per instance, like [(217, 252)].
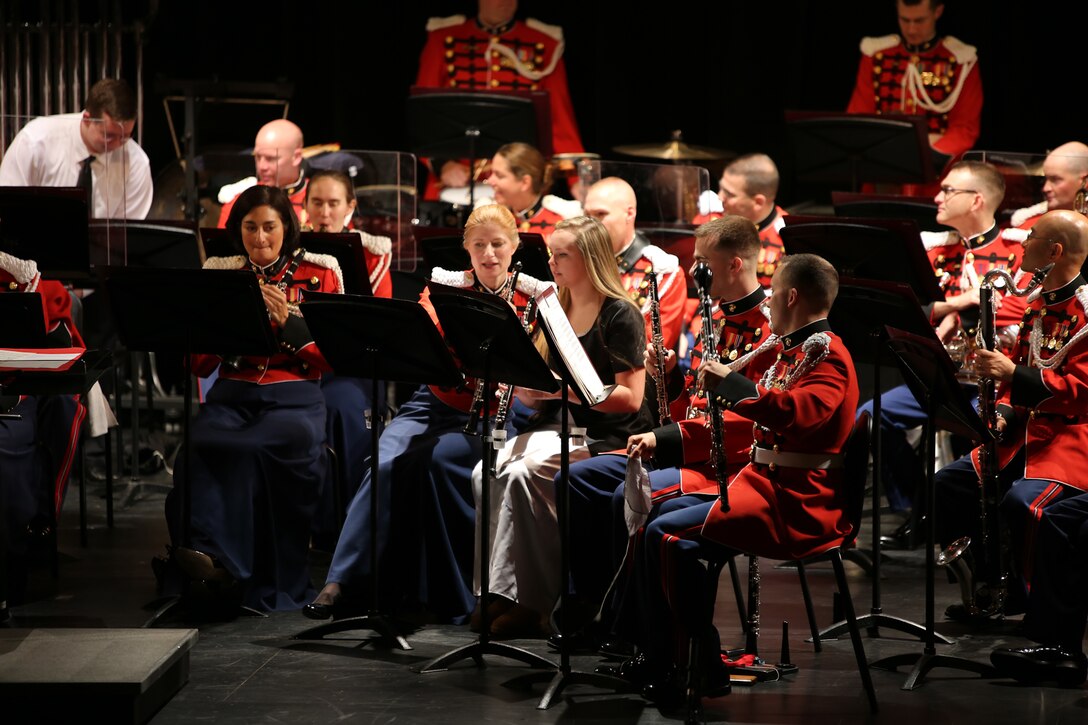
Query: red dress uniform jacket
[(772, 248), (960, 267), (939, 79), (298, 358), (803, 409), (548, 211), (1046, 402), (461, 398), (745, 343), (637, 261), (520, 56)]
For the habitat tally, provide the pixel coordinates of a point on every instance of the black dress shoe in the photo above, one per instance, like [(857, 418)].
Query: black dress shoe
[(580, 642), (899, 539), (715, 681), (665, 693), (1034, 665), (641, 671), (616, 648), (320, 610)]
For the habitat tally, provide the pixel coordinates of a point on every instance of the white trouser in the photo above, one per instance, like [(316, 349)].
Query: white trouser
[(524, 530)]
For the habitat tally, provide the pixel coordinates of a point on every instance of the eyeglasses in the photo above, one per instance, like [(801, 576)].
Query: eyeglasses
[(1032, 237), (950, 191)]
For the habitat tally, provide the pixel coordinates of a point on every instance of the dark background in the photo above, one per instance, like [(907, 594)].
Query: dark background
[(723, 72)]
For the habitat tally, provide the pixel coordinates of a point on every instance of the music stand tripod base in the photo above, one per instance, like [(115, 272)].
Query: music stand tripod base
[(374, 622)]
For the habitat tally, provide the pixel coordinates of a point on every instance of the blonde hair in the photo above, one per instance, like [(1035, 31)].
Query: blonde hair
[(496, 214), (595, 246)]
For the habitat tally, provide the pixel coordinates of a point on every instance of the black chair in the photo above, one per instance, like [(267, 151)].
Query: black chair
[(854, 478)]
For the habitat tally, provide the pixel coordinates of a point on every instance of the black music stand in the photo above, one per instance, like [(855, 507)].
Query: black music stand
[(885, 271), (350, 253), (477, 326), (63, 252), (861, 314), (160, 244), (931, 376), (889, 250), (163, 243), (466, 124), (856, 148), (888, 206), (215, 242), (230, 320), (24, 323), (564, 675), (357, 335), (445, 248)]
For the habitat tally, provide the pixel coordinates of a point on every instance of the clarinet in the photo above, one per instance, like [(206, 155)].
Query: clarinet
[(703, 276), (288, 278), (506, 398), (476, 410), (658, 342)]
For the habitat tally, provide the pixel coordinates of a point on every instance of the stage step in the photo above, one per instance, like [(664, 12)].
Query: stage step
[(95, 675)]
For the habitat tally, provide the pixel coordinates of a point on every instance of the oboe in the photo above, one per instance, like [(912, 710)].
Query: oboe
[(658, 342), (703, 277), (477, 410)]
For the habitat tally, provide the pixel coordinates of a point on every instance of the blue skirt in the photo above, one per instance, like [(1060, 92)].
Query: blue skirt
[(426, 513), (257, 467)]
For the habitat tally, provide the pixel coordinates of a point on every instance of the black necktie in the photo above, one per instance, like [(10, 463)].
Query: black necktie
[(85, 180)]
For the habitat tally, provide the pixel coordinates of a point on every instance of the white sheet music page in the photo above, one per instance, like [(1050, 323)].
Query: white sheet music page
[(570, 349), (44, 359)]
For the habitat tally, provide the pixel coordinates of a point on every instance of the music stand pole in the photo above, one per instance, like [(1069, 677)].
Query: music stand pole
[(483, 644), (476, 326), (373, 619), (876, 617), (926, 381), (564, 676)]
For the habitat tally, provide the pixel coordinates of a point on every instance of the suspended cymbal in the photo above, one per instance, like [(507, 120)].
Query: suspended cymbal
[(673, 150)]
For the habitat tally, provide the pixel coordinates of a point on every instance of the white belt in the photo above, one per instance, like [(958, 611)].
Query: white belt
[(768, 457)]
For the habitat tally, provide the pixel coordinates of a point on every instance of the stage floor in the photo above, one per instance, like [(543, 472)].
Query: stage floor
[(251, 670)]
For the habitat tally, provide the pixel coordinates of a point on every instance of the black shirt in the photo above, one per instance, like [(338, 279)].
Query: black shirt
[(615, 344)]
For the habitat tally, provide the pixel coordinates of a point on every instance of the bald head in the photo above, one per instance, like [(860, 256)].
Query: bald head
[(1060, 237), (1064, 169), (277, 153), (611, 201)]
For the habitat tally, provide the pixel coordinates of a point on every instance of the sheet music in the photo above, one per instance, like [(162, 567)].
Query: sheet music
[(13, 359), (551, 313)]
